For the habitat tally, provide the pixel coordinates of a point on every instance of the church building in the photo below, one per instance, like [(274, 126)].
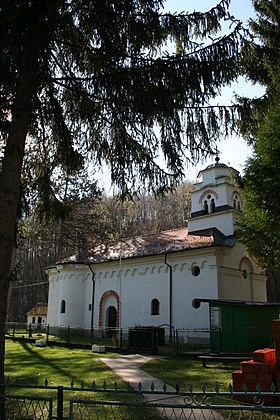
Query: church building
[(153, 279)]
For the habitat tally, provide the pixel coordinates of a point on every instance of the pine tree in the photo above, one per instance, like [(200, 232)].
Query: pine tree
[(91, 79), (260, 63)]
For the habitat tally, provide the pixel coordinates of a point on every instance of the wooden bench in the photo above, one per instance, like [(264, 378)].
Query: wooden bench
[(222, 359)]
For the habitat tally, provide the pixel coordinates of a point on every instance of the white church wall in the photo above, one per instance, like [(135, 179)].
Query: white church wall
[(233, 286), (149, 282), (53, 300), (222, 221), (137, 284), (237, 275), (72, 292), (106, 280), (87, 299), (187, 286), (259, 287)]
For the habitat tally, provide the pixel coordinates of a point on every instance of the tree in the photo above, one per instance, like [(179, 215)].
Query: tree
[(260, 61), (260, 58), (91, 80), (260, 227)]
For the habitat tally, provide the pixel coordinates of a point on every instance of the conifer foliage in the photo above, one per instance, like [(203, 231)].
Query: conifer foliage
[(92, 80), (260, 63), (260, 60)]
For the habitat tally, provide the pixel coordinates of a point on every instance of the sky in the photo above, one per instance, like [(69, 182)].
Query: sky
[(234, 150)]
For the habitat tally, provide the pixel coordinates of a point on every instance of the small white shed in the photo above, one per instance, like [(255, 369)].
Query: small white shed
[(37, 316)]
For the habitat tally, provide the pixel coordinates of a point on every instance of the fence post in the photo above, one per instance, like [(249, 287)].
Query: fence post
[(60, 403), (29, 331), (120, 339), (68, 334), (91, 334)]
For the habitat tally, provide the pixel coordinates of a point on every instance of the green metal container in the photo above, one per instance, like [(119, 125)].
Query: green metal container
[(241, 327)]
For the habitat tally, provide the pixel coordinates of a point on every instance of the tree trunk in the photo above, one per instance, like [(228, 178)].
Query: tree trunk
[(10, 175)]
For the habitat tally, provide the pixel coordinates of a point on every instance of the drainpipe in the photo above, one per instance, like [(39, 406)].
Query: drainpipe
[(92, 296), (170, 297)]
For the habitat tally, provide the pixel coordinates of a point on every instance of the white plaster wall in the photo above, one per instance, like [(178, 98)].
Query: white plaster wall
[(259, 284), (72, 290), (30, 317), (139, 283), (139, 289), (53, 298), (222, 221), (87, 298), (186, 287), (106, 278), (232, 285), (109, 301), (218, 179)]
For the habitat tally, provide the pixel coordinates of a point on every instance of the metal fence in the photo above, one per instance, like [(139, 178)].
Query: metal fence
[(192, 339), (173, 341), (79, 402), (119, 338)]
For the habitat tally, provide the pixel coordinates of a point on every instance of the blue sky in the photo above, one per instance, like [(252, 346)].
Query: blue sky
[(233, 151)]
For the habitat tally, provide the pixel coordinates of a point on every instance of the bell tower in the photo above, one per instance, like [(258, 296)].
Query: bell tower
[(216, 201)]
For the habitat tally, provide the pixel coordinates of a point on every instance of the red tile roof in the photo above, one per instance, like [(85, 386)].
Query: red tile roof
[(41, 309), (140, 246)]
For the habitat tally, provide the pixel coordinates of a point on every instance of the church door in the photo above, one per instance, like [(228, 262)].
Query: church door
[(111, 320)]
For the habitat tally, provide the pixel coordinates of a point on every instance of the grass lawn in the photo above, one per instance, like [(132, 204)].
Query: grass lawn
[(61, 366), (185, 372)]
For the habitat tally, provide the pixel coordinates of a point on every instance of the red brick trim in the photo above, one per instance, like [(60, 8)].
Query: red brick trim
[(101, 303), (206, 193)]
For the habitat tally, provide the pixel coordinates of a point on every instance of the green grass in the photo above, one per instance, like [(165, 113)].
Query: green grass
[(26, 362), (61, 366), (183, 372), (58, 364)]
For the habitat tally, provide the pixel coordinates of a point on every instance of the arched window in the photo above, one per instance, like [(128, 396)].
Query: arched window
[(155, 307), (62, 306), (212, 205)]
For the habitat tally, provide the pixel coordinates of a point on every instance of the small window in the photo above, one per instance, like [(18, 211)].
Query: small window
[(195, 270), (33, 320), (89, 306), (62, 307), (155, 307)]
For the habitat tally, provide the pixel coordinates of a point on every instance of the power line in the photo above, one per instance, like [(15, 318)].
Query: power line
[(29, 285)]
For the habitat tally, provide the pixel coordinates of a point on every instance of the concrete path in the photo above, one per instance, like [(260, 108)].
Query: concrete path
[(128, 368)]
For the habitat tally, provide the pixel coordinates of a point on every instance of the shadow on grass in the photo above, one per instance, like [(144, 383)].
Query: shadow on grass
[(61, 365)]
